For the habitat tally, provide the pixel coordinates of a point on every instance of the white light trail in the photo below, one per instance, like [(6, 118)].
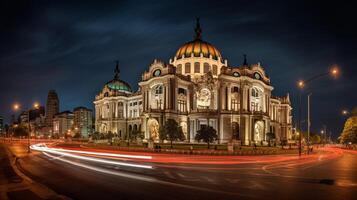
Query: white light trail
[(44, 148), (103, 154), (136, 177)]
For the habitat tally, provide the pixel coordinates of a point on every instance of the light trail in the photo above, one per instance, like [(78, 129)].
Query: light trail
[(140, 177), (44, 148), (103, 154)]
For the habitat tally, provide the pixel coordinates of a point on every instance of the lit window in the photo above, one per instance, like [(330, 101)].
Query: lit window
[(181, 105)]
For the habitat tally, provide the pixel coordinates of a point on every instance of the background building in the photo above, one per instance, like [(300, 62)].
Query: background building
[(1, 124), (83, 121), (198, 87), (63, 124), (52, 107)]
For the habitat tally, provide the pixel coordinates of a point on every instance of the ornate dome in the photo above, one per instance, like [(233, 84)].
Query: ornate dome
[(117, 84), (198, 46)]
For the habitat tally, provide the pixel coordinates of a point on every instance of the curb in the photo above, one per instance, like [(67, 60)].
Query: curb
[(39, 189), (257, 152)]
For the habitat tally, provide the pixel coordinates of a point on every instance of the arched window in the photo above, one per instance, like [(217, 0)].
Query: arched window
[(187, 68), (255, 92), (206, 68), (197, 67), (130, 128), (179, 69), (158, 89), (256, 101), (215, 69)]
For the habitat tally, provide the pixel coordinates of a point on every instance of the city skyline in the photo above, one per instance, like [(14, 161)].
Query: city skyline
[(76, 59)]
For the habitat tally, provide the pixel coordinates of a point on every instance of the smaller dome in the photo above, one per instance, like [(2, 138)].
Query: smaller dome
[(117, 84)]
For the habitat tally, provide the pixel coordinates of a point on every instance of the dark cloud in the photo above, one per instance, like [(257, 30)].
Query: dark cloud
[(71, 46)]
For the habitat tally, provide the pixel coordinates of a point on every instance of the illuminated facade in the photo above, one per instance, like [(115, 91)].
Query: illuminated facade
[(197, 87)]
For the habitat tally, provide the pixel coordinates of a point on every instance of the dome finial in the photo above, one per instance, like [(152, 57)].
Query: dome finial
[(116, 71), (245, 63), (198, 29)]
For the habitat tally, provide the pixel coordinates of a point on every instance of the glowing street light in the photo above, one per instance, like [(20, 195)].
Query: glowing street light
[(301, 84), (334, 71), (36, 105), (16, 106), (345, 112)]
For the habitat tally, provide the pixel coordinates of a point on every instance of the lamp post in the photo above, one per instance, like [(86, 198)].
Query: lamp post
[(15, 107), (308, 123), (301, 84)]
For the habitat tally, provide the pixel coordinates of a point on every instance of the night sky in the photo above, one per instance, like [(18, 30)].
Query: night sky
[(72, 47)]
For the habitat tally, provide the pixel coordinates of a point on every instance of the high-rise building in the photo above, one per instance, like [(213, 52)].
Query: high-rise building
[(83, 121), (1, 124), (63, 124), (36, 113), (52, 107), (23, 117)]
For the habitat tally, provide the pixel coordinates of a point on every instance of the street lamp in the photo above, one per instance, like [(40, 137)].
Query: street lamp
[(333, 71), (16, 107), (345, 112)]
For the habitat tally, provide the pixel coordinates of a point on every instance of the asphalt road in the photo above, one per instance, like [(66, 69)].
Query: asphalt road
[(328, 174)]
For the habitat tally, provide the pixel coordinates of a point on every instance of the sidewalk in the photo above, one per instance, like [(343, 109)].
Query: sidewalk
[(14, 185)]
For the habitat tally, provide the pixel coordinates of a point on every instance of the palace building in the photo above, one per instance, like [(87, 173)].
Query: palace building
[(197, 87)]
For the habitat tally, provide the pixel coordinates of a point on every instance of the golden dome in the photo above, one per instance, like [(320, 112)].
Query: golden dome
[(198, 46)]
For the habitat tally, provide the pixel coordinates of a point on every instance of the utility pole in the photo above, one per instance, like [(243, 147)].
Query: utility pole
[(299, 123)]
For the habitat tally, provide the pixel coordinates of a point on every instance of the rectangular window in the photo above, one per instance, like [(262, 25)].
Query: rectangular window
[(179, 69), (197, 67), (181, 105), (187, 68), (235, 105)]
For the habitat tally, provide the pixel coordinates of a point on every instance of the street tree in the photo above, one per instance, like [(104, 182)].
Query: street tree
[(206, 134), (349, 133), (20, 130), (171, 131), (270, 137)]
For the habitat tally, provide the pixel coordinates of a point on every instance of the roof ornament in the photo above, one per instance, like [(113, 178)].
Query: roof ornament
[(116, 71), (245, 63), (198, 29)]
